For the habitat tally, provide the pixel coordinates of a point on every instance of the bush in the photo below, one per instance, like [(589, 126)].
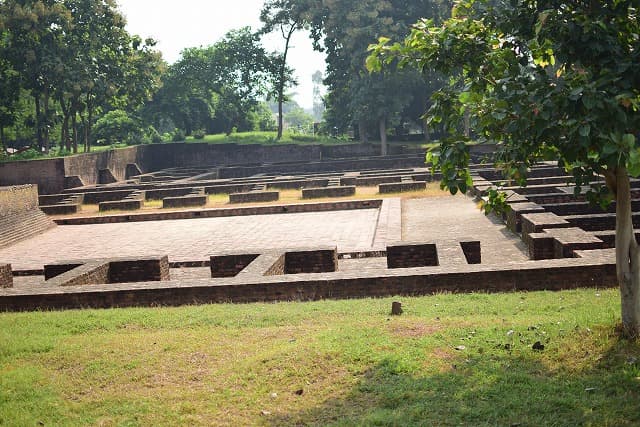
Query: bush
[(115, 126), (199, 134), (178, 135)]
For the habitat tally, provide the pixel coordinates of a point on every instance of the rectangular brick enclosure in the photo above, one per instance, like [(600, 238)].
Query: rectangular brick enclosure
[(406, 255), (122, 270)]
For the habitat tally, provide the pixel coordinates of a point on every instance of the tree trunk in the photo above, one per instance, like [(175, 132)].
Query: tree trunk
[(46, 121), (36, 98), (627, 257), (427, 134), (362, 131), (383, 136), (74, 127), (281, 75)]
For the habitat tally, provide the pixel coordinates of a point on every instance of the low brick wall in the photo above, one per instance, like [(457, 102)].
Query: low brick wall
[(184, 201), (254, 196), (139, 270), (58, 268), (230, 265), (92, 272), (530, 276), (515, 212), (407, 255), (95, 197), (399, 187), (320, 260), (161, 193), (6, 276), (226, 212), (343, 191), (121, 205), (62, 209)]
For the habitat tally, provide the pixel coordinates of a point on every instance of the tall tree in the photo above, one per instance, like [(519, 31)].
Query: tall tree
[(34, 33), (217, 86), (277, 15), (544, 79)]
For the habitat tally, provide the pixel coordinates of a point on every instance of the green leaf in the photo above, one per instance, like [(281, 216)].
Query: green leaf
[(585, 130)]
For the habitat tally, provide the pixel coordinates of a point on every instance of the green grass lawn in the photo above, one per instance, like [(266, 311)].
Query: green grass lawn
[(448, 360)]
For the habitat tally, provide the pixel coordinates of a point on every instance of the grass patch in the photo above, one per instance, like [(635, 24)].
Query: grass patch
[(326, 363)]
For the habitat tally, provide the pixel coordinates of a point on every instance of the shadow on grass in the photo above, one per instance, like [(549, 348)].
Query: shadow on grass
[(500, 388)]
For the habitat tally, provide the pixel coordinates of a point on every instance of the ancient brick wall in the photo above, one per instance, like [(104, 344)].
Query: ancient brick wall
[(408, 255)]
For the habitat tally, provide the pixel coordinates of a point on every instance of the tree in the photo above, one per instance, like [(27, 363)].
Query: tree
[(544, 79), (344, 29), (318, 103), (277, 15), (216, 87)]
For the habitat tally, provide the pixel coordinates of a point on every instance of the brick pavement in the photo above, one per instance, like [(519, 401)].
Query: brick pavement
[(452, 218), (195, 239)]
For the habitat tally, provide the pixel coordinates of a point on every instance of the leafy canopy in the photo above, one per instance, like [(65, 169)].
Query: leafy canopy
[(543, 79)]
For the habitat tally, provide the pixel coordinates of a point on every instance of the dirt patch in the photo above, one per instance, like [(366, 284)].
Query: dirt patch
[(413, 329)]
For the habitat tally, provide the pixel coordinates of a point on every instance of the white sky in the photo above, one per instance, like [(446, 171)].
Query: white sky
[(193, 23)]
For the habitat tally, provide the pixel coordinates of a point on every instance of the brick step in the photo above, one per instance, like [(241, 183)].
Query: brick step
[(22, 227), (406, 179)]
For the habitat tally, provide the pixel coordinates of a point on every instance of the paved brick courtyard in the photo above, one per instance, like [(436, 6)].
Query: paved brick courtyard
[(427, 219), (195, 239)]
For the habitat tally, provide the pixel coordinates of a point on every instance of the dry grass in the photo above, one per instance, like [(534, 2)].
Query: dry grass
[(286, 197)]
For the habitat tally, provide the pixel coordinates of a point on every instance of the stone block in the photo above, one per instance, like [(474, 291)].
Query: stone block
[(340, 191)]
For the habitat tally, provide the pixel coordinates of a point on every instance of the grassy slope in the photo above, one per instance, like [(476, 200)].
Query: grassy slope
[(354, 364)]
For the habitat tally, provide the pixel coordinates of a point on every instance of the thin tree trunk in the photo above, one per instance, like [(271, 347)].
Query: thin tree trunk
[(427, 134), (383, 136), (46, 121), (36, 98), (74, 127), (362, 131), (281, 75), (627, 257)]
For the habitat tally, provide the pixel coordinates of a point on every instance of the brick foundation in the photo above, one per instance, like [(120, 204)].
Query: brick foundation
[(340, 191), (230, 265), (184, 201), (254, 196), (121, 205), (406, 255), (400, 187)]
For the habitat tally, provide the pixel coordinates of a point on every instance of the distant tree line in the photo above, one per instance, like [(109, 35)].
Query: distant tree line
[(71, 75), (369, 104)]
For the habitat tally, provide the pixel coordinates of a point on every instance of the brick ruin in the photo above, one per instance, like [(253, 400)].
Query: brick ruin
[(569, 243)]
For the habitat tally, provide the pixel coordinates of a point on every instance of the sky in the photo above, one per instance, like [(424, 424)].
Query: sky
[(176, 25)]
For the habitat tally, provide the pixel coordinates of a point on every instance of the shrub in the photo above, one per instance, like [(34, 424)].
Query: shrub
[(178, 135), (199, 134)]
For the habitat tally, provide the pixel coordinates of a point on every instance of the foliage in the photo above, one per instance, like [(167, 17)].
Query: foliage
[(215, 88), (115, 126), (178, 135), (354, 364), (545, 80), (75, 59)]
